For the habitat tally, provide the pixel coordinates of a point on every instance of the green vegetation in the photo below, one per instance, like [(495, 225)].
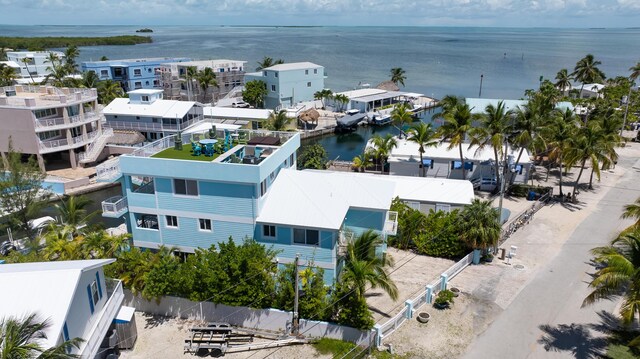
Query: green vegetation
[(185, 154), (323, 95), (444, 299), (254, 93), (375, 157), (312, 157), (268, 62), (398, 76), (146, 29), (22, 338), (278, 121), (42, 43), (338, 348)]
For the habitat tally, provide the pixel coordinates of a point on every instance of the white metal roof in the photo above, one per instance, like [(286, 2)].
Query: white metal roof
[(382, 96), (478, 105), (321, 199), (236, 113), (361, 92), (46, 288), (407, 149), (159, 108), (11, 64), (293, 66), (208, 63), (435, 190)]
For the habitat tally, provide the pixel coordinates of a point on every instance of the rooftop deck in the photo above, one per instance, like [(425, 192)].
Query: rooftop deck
[(44, 96)]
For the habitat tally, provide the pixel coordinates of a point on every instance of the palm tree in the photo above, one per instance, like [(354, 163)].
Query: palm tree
[(457, 124), (361, 162), (527, 130), (401, 116), (104, 58), (635, 72), (587, 71), (323, 95), (61, 244), (90, 79), (73, 212), (563, 80), (633, 211), (398, 76), (382, 147), (557, 136), (100, 244), (342, 100), (620, 277), (70, 55), (480, 225), (108, 90), (278, 121), (448, 103), (590, 144), (7, 75), (425, 136), (268, 62), (21, 338), (189, 75), (25, 61), (58, 73), (493, 132), (361, 266), (206, 78)]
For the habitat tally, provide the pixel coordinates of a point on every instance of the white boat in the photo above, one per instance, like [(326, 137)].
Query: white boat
[(379, 119)]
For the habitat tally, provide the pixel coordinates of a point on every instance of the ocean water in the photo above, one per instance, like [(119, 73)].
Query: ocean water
[(437, 60)]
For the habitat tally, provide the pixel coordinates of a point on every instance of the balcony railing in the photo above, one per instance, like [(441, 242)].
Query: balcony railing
[(62, 144), (114, 206), (48, 124), (151, 126), (95, 334), (108, 171)]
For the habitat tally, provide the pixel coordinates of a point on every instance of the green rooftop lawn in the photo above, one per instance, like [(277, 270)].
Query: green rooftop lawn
[(185, 154)]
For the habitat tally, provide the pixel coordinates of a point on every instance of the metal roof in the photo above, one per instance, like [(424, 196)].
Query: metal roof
[(409, 150), (159, 108), (383, 96)]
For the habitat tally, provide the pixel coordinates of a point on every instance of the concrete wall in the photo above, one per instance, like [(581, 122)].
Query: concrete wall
[(259, 319), (18, 123)]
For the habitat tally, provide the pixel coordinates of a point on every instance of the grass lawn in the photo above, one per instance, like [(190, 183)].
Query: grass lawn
[(185, 154)]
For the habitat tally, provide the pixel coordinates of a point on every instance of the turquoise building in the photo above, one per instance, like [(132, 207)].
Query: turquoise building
[(289, 84), (250, 188), (132, 74)]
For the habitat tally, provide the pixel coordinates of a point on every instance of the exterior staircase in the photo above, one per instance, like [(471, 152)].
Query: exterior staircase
[(95, 148)]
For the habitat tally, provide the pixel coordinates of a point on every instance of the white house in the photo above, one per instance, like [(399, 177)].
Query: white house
[(32, 64), (74, 296)]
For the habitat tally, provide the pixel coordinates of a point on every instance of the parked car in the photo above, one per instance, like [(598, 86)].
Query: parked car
[(240, 104)]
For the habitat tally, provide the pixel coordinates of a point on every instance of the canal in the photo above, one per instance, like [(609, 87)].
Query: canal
[(346, 146)]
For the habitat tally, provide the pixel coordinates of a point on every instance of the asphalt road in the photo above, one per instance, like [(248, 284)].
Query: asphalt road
[(546, 320)]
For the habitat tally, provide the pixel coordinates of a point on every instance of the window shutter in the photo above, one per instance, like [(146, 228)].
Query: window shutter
[(99, 285), (90, 298)]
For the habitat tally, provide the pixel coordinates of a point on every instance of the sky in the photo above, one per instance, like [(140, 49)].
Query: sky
[(494, 13)]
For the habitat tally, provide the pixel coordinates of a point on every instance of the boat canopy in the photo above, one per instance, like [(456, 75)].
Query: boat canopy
[(352, 120)]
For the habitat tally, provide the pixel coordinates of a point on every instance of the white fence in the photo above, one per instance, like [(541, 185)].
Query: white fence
[(258, 319), (424, 297)]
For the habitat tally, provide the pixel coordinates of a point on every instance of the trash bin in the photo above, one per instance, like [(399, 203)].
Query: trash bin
[(531, 196), (502, 253)]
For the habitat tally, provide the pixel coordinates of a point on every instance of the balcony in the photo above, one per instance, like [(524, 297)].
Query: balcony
[(108, 171), (57, 123), (49, 146), (391, 223), (97, 331), (114, 207)]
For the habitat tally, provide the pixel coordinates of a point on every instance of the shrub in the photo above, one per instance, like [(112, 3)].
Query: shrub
[(444, 298)]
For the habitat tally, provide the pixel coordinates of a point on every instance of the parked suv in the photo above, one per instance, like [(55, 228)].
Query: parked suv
[(240, 104)]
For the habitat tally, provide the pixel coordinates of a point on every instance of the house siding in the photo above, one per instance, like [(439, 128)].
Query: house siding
[(81, 319)]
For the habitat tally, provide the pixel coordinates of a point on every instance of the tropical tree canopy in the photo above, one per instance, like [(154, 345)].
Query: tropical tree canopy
[(254, 93), (278, 121), (206, 78), (458, 122), (563, 80), (401, 116), (398, 75), (587, 71), (480, 224), (493, 132), (108, 90), (425, 136), (20, 339), (268, 62)]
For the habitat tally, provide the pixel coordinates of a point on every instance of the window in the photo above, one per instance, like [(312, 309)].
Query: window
[(273, 88), (146, 221), (413, 205), (275, 74), (156, 83), (185, 187), (427, 163), (308, 84), (92, 292), (205, 224), (518, 169), (104, 73), (263, 188), (45, 112), (291, 159), (137, 117), (315, 71), (264, 73), (172, 221), (99, 285), (137, 72), (269, 231), (272, 176), (146, 83), (443, 207), (306, 236), (306, 72), (145, 97), (456, 165), (138, 85)]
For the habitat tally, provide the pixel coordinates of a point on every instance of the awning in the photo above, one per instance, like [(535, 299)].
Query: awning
[(125, 314)]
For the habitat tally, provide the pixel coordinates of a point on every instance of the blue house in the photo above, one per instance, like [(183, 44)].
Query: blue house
[(252, 190), (289, 84), (132, 74)]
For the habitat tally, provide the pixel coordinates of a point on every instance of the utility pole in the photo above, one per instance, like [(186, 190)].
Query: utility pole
[(505, 166), (480, 93), (296, 325), (626, 109)]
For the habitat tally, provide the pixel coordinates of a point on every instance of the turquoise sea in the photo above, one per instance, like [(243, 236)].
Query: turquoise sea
[(437, 60)]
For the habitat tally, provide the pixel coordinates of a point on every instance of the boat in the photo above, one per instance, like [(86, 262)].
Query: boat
[(350, 123), (379, 119)]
